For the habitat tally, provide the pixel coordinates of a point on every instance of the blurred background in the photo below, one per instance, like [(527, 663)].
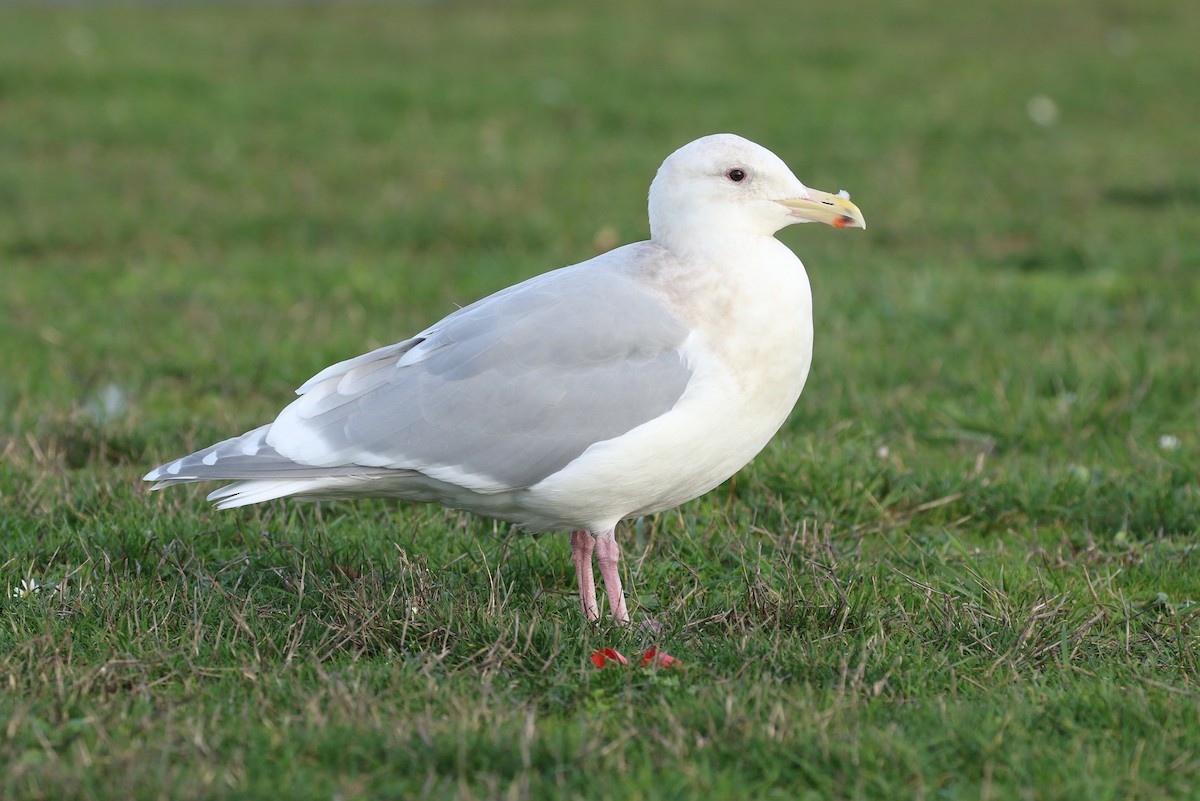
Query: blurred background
[(967, 563), (202, 205)]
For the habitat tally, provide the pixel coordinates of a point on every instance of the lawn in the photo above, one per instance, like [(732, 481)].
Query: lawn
[(967, 567)]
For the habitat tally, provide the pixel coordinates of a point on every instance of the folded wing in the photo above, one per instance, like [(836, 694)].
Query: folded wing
[(495, 397)]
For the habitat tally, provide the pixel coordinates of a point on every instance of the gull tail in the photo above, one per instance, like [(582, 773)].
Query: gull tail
[(260, 471)]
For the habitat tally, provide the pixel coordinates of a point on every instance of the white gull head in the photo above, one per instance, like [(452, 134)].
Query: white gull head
[(723, 185)]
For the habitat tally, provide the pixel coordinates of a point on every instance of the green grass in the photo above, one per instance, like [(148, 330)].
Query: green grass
[(966, 568)]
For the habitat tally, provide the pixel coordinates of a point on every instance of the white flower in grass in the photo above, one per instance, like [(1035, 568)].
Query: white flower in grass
[(1042, 110), (28, 587), (1168, 442)]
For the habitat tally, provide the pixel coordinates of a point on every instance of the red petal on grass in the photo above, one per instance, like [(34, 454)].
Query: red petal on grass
[(659, 659), (601, 657)]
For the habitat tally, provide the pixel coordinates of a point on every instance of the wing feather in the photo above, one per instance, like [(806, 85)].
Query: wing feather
[(495, 397)]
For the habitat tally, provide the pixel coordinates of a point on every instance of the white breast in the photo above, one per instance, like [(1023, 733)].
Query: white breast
[(750, 350)]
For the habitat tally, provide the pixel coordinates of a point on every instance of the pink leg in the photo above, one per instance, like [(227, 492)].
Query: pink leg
[(608, 554), (582, 544)]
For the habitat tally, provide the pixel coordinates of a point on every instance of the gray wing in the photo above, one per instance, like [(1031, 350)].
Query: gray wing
[(497, 396)]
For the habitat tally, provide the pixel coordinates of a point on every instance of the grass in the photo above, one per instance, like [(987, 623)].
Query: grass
[(966, 568)]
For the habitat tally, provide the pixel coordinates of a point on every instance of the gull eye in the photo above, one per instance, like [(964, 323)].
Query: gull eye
[(736, 175)]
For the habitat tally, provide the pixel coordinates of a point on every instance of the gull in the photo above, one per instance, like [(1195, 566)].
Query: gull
[(614, 388)]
